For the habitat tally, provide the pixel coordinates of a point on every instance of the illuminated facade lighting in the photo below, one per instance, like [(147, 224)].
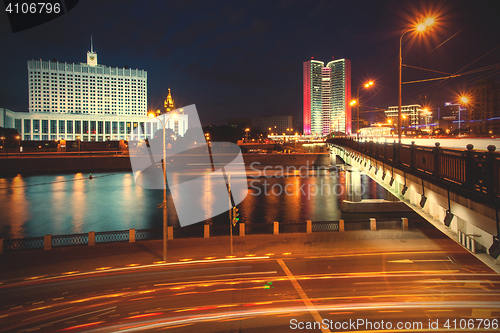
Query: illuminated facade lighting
[(326, 97)]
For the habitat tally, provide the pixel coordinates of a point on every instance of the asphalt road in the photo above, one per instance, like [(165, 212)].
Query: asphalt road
[(272, 293)]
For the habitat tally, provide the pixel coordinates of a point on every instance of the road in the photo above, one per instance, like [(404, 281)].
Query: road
[(270, 293), (458, 143)]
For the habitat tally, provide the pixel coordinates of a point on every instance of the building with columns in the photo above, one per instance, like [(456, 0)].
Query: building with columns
[(85, 101)]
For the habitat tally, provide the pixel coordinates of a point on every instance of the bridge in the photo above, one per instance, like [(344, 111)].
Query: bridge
[(460, 188)]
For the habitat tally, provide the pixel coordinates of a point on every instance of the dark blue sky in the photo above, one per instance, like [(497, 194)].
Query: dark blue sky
[(244, 58)]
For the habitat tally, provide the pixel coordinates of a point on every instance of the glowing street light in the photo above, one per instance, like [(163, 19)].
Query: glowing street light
[(426, 113), (421, 27), (355, 102), (464, 100)]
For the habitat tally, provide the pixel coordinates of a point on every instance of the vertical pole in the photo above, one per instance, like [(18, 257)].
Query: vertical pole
[(399, 87), (230, 211), (165, 212)]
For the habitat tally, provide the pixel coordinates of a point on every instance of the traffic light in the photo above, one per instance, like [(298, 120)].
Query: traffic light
[(235, 215)]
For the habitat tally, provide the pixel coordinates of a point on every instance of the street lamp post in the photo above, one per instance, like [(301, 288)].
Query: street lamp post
[(464, 100), (164, 204), (246, 132), (18, 138), (420, 27), (356, 102)]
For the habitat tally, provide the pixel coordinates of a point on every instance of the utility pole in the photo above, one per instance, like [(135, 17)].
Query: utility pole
[(230, 211)]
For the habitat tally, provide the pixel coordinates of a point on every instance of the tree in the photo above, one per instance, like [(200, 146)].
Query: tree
[(10, 135)]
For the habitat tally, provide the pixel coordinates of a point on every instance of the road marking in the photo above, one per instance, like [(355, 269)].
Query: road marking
[(35, 277), (302, 295), (409, 261), (481, 314), (3, 316), (58, 299), (16, 307), (41, 308), (35, 303)]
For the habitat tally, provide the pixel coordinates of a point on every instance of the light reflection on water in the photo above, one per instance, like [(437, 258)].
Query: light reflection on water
[(33, 206)]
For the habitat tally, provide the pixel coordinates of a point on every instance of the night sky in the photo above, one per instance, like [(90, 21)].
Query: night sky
[(244, 58)]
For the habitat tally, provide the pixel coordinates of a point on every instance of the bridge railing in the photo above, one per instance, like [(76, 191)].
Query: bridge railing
[(469, 169), (196, 231)]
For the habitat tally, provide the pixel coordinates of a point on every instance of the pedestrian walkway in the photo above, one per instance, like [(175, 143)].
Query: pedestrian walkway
[(36, 263)]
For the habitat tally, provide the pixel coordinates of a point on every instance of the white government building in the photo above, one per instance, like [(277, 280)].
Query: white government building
[(90, 102)]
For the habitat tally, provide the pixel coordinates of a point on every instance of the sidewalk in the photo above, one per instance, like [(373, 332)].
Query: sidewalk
[(35, 263)]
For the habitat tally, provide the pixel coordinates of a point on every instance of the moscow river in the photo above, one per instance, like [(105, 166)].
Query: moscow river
[(33, 206)]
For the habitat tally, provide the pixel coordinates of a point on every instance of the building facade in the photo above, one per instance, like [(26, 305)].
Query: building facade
[(412, 116), (326, 96), (453, 116), (85, 101), (274, 124), (484, 100)]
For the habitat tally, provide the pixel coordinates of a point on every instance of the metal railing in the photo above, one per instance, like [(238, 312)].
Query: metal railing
[(357, 225), (148, 234), (112, 236), (463, 171), (221, 230), (189, 232), (258, 228), (389, 224), (195, 231), (292, 228), (70, 240), (325, 226), (34, 243)]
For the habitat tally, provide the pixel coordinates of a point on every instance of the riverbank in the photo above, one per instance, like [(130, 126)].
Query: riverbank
[(64, 163)]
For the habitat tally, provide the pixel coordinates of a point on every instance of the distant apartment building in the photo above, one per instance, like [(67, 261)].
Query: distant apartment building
[(326, 96), (274, 124), (484, 100), (411, 116), (449, 115)]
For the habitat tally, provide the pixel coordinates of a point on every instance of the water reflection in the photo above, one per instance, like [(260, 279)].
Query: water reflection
[(64, 204), (78, 204)]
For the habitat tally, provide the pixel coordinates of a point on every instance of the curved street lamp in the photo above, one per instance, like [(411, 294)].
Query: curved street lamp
[(421, 27), (355, 102)]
